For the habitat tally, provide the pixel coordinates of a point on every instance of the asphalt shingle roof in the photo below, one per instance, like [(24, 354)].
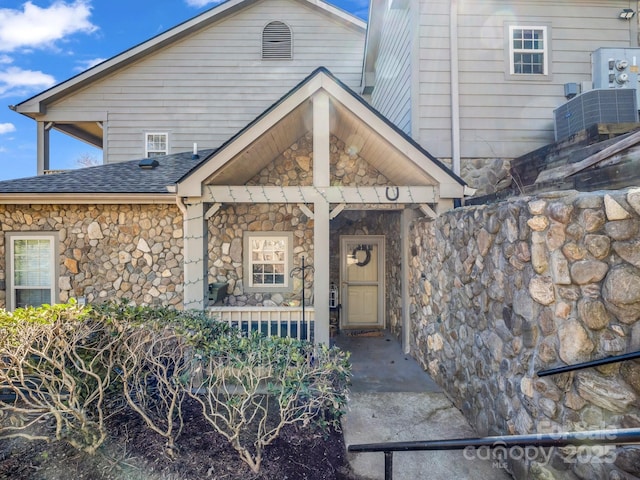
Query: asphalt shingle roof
[(123, 177)]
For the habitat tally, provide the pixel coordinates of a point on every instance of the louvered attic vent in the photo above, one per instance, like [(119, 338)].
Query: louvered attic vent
[(276, 42)]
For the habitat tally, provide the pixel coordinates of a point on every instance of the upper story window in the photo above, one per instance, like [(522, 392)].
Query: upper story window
[(528, 50), (31, 269), (268, 259), (156, 144), (276, 42)]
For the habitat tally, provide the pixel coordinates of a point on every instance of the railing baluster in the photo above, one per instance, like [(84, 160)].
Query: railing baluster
[(388, 465)]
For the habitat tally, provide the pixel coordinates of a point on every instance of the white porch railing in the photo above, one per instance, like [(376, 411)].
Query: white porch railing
[(271, 321)]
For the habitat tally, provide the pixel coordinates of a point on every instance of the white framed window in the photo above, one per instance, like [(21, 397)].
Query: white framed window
[(528, 50), (156, 144), (267, 261), (31, 269), (277, 41)]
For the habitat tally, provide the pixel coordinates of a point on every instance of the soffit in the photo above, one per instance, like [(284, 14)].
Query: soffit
[(358, 137), (266, 148)]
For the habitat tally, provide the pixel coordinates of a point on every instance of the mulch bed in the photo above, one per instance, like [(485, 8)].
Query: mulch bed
[(133, 452)]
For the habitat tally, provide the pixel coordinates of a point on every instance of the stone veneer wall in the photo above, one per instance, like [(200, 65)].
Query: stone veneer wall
[(226, 230), (499, 292), (108, 252), (295, 167), (486, 175)]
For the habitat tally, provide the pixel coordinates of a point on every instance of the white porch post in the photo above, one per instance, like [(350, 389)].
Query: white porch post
[(321, 151), (195, 257), (42, 142)]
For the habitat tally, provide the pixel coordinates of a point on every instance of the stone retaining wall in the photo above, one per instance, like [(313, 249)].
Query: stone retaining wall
[(108, 252), (499, 292)]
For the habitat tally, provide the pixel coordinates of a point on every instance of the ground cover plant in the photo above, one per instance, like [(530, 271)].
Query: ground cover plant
[(126, 391)]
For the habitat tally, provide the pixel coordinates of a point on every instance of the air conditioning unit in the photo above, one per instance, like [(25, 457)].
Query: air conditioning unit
[(602, 105), (616, 68)]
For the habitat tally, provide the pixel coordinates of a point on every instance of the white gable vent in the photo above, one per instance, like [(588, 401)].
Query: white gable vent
[(276, 42)]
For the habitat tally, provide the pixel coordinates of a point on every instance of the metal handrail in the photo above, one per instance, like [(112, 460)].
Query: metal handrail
[(589, 364), (561, 439)]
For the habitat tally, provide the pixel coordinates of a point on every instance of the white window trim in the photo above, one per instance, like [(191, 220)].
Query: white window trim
[(10, 238), (247, 267), (510, 50), (146, 143)]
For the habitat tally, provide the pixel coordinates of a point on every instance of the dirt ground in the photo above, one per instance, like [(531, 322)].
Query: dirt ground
[(135, 452)]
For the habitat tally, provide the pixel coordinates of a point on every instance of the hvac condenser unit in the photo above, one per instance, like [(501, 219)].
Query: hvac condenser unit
[(603, 105)]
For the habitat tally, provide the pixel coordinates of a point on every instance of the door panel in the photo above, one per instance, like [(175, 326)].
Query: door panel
[(363, 305), (362, 278)]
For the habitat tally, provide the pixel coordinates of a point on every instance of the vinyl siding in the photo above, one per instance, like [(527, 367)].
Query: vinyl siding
[(501, 116), (208, 86), (392, 93)]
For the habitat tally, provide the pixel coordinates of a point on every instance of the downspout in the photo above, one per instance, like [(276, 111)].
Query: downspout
[(181, 205), (634, 26), (455, 87)]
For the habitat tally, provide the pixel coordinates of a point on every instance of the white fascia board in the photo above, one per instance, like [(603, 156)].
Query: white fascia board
[(34, 104), (392, 136), (192, 185), (361, 24)]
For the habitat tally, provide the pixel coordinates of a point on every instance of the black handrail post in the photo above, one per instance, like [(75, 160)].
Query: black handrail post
[(388, 465), (302, 270)]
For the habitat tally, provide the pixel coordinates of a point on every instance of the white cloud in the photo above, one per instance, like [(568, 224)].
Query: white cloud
[(5, 59), (16, 81), (202, 3), (86, 64), (7, 128), (35, 27)]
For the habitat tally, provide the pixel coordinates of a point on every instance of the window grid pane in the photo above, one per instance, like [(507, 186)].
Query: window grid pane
[(156, 144), (268, 261), (528, 51)]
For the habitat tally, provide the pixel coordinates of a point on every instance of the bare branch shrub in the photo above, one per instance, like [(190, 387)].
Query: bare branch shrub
[(152, 359), (58, 362), (251, 387)]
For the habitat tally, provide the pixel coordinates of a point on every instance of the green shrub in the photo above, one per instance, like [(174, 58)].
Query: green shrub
[(250, 387)]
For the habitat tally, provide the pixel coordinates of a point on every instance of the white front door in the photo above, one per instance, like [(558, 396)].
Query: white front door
[(362, 280)]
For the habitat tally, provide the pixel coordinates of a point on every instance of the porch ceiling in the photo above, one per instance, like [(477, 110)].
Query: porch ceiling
[(89, 132), (357, 136), (266, 148), (360, 138)]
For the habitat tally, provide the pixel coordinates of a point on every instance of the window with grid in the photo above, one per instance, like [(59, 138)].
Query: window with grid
[(276, 42), (528, 50), (156, 144), (268, 258), (31, 270)]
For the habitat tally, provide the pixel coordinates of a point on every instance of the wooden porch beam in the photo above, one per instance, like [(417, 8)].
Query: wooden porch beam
[(336, 211), (212, 211), (309, 194), (306, 210)]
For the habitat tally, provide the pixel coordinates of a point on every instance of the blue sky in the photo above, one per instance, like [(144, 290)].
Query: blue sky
[(44, 42)]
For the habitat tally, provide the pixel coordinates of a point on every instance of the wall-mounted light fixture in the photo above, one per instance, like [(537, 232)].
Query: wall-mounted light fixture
[(627, 14)]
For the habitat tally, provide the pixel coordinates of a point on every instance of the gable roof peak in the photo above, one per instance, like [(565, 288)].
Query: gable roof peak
[(34, 104)]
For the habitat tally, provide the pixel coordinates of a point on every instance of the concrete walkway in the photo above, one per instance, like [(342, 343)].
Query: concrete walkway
[(392, 400)]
